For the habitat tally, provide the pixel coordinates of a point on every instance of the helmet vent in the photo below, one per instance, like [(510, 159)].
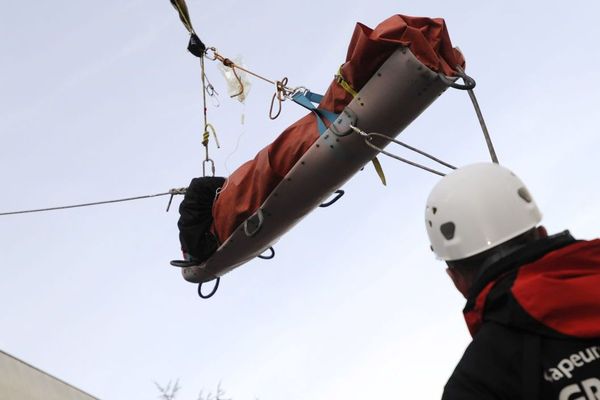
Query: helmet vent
[(434, 210), (448, 230), (524, 194)]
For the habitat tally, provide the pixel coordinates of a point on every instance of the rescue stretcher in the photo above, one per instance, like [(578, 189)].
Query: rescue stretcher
[(396, 93)]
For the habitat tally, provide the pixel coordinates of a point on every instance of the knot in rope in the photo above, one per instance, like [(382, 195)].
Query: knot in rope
[(177, 191), (281, 93), (230, 64)]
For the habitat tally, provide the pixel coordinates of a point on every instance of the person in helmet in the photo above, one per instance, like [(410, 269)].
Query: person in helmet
[(533, 300)]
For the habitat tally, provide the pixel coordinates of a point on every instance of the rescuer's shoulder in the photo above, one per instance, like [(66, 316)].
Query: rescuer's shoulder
[(489, 368)]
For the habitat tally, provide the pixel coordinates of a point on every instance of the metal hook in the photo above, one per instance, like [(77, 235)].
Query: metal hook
[(214, 55)]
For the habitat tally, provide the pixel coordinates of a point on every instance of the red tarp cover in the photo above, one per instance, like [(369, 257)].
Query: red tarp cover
[(248, 187)]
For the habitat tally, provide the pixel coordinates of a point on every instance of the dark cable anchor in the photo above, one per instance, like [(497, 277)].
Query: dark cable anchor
[(338, 195), (270, 256), (212, 292), (174, 192), (196, 47)]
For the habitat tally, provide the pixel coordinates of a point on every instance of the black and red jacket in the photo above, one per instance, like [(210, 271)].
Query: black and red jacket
[(535, 320)]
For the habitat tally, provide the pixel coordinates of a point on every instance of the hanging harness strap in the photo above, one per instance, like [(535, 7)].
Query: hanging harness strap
[(306, 100), (195, 46)]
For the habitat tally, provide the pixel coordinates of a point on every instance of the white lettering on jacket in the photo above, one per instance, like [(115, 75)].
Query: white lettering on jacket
[(567, 365), (588, 389)]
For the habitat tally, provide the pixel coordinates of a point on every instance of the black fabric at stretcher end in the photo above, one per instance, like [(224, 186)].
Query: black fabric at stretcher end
[(197, 242)]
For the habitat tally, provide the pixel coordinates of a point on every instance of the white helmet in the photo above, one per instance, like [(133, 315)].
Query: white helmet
[(475, 208)]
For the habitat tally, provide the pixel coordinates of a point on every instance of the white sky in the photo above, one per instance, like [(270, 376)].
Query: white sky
[(99, 100)]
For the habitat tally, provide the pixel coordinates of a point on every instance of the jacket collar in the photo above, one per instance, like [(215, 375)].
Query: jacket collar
[(513, 259)]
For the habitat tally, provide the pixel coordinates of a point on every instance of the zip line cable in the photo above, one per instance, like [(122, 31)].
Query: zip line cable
[(171, 193)]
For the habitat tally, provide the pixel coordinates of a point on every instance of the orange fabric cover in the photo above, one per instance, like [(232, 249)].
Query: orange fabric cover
[(248, 187)]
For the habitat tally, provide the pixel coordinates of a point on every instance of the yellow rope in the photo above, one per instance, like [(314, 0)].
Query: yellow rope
[(214, 133)]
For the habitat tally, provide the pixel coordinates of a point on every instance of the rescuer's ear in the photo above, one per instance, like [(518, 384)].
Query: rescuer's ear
[(542, 232), (462, 284)]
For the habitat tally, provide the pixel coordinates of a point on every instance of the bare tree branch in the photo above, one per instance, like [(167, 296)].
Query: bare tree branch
[(168, 392)]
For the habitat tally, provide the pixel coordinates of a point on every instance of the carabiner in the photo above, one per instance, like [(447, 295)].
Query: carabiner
[(212, 166)]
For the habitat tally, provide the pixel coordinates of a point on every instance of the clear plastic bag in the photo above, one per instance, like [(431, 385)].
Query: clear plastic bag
[(236, 88)]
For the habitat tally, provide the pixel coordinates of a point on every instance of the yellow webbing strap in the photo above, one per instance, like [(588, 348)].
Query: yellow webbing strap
[(339, 78), (379, 170)]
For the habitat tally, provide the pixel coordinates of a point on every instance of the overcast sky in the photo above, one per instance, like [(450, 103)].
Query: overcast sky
[(100, 100)]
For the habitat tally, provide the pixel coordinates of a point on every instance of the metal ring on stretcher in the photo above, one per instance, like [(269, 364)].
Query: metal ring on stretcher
[(469, 83), (249, 231), (269, 257), (212, 292), (338, 195)]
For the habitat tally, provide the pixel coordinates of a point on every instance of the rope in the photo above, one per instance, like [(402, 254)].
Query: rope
[(171, 192), (228, 63), (207, 126), (369, 137), (282, 90), (469, 85), (486, 134), (280, 94), (204, 109)]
